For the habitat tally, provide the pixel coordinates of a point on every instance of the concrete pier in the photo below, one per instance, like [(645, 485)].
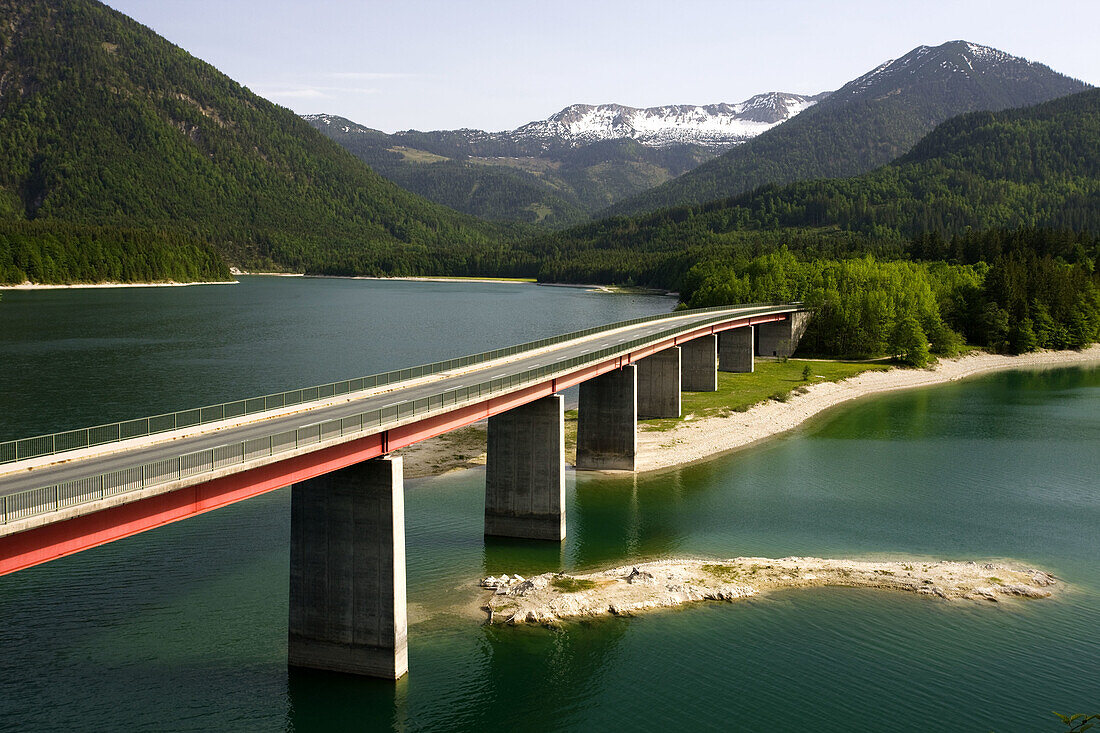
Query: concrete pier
[(659, 384), (525, 471), (347, 571), (607, 421), (699, 365), (735, 350), (781, 337)]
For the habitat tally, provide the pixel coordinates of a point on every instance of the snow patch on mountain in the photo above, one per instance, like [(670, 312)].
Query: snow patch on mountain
[(713, 125), (717, 125), (343, 125)]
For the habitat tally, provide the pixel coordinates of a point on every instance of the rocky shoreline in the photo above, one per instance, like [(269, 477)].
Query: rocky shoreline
[(549, 598)]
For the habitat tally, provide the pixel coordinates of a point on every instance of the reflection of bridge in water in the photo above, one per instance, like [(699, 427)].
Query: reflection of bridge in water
[(66, 492)]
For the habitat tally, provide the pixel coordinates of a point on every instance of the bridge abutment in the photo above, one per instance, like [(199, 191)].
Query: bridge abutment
[(347, 571), (607, 421), (781, 338), (525, 471), (699, 365), (735, 350), (659, 384)]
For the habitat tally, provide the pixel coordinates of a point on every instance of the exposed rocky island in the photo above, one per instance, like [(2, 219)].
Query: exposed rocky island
[(624, 591)]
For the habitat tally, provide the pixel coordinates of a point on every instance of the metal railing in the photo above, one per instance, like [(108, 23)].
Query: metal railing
[(52, 443), (32, 502)]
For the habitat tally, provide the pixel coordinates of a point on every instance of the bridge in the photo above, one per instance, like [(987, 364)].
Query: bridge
[(66, 492)]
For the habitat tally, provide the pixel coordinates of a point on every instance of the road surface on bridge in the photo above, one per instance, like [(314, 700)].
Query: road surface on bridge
[(16, 477)]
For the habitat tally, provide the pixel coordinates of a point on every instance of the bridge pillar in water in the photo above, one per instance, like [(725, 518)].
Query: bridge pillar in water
[(699, 365), (347, 571), (780, 338), (525, 471), (659, 384), (735, 348), (607, 421)]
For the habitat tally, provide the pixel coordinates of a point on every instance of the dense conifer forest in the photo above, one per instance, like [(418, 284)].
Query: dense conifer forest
[(105, 124), (61, 253)]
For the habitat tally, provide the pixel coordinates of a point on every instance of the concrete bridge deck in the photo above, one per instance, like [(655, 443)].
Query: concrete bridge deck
[(347, 509), (19, 476)]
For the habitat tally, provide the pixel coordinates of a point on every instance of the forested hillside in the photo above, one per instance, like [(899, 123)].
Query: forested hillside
[(994, 210), (105, 124), (866, 123), (59, 253), (1034, 167)]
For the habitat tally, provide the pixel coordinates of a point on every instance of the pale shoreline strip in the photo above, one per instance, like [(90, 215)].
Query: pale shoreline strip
[(704, 438), (429, 279), (85, 286), (499, 281)]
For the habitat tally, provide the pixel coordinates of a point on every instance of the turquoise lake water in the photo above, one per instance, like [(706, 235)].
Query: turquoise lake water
[(184, 628)]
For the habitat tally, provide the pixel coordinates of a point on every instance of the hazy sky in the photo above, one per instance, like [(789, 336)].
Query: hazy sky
[(496, 65)]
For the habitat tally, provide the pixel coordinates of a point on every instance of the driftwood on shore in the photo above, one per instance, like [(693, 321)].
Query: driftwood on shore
[(550, 597)]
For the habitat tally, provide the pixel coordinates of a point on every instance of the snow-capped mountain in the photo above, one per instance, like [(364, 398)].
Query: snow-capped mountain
[(712, 125), (618, 160)]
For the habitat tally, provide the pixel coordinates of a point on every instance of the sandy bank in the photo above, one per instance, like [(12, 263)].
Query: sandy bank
[(628, 290), (620, 289), (701, 438), (427, 279), (627, 590), (72, 286), (694, 440)]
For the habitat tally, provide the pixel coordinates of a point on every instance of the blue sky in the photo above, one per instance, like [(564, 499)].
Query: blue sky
[(496, 65)]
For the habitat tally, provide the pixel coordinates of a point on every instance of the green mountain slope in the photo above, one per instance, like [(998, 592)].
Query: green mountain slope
[(496, 176), (105, 124), (1030, 168), (868, 122), (496, 192)]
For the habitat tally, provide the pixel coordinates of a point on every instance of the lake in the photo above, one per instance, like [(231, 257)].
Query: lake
[(184, 627)]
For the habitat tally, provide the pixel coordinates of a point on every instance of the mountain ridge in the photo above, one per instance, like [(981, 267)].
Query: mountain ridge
[(866, 122), (712, 125), (513, 180), (557, 171), (105, 123), (1034, 168)]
